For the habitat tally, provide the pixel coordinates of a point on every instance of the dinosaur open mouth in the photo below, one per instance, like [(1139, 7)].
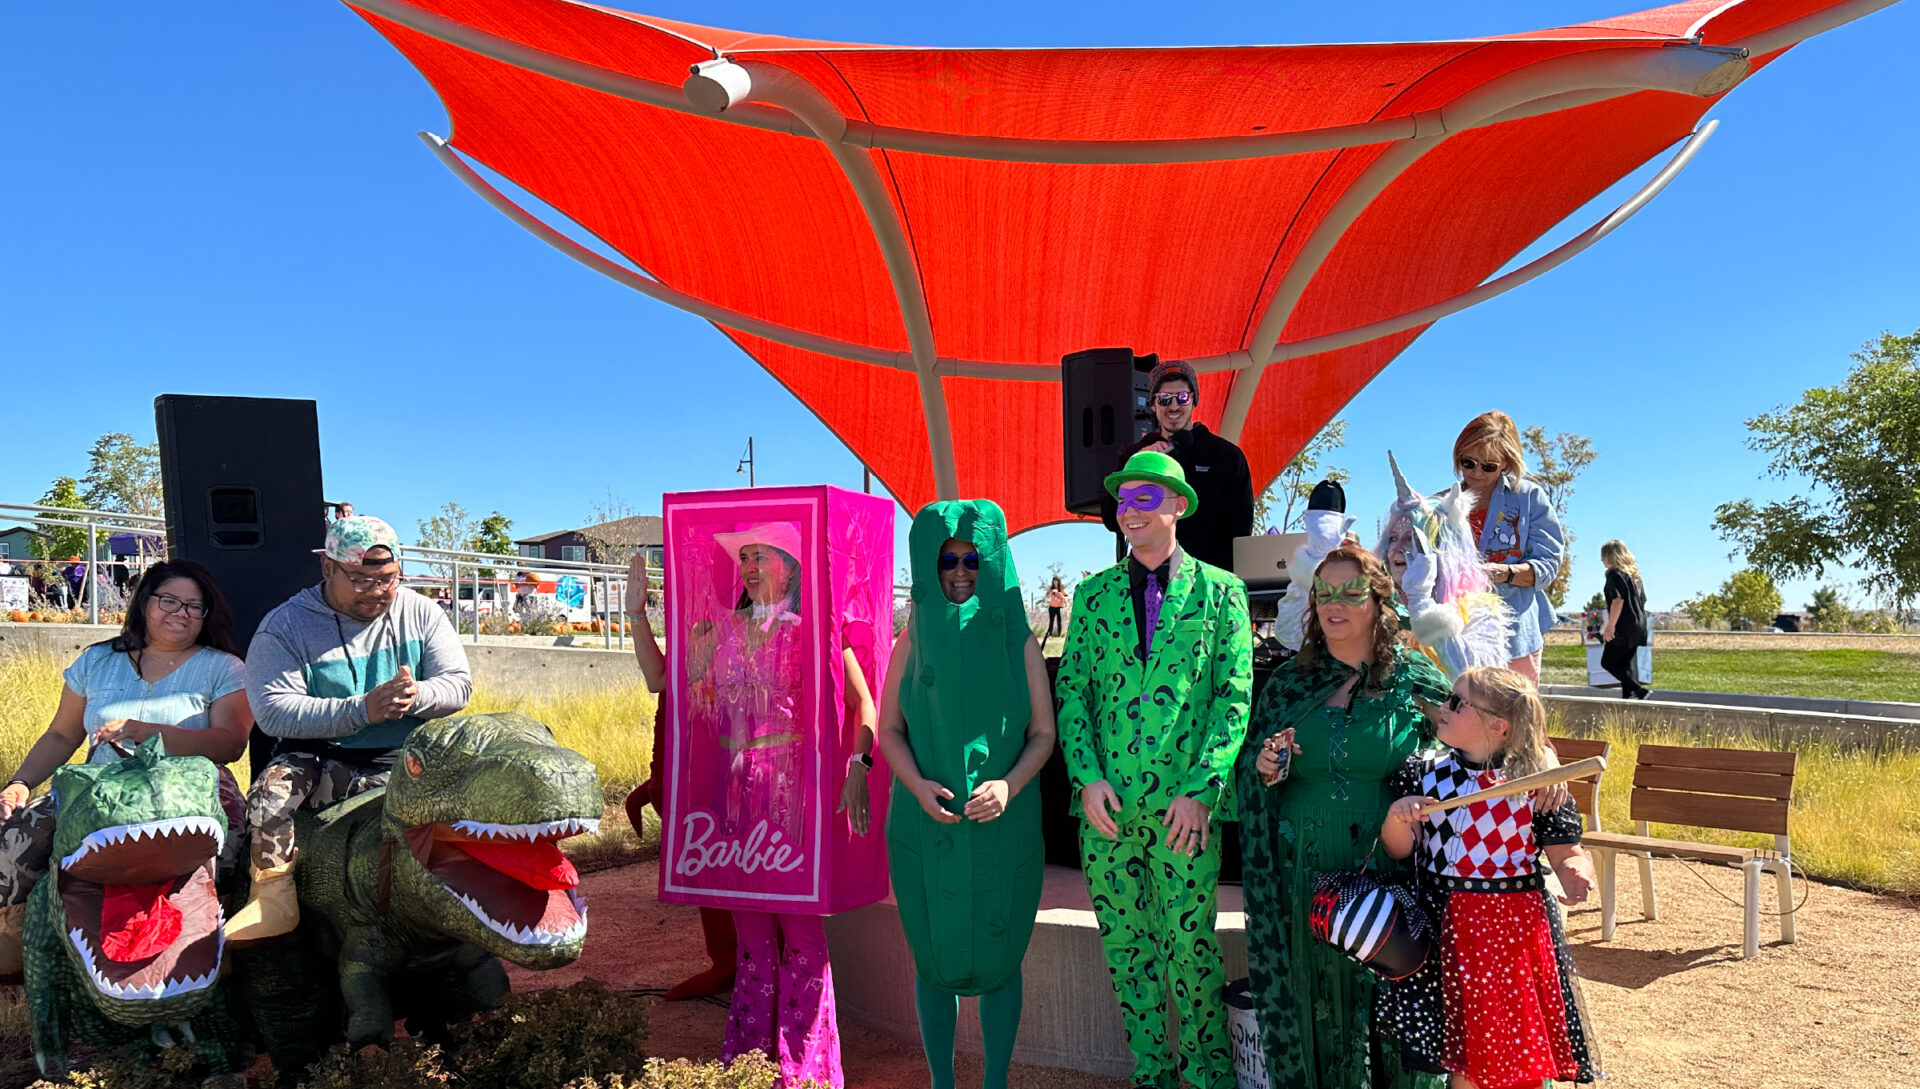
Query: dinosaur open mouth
[(141, 909), (512, 877)]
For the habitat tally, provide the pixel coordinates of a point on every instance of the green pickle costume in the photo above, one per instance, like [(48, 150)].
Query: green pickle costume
[(967, 892), (1157, 730)]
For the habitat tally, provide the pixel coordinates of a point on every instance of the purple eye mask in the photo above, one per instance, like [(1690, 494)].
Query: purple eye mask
[(1145, 498)]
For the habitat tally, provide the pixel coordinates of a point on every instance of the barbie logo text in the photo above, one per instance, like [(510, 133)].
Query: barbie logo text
[(759, 851)]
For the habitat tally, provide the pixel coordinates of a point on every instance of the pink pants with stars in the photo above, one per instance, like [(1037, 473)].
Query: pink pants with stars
[(783, 998)]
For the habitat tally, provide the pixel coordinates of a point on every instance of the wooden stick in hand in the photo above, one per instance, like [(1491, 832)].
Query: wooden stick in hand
[(1579, 769)]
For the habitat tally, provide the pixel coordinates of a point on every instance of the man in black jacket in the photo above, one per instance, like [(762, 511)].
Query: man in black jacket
[(1216, 469)]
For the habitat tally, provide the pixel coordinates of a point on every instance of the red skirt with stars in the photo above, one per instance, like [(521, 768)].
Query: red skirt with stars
[(1506, 1017)]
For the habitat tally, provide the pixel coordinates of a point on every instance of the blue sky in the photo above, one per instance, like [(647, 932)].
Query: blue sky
[(234, 202)]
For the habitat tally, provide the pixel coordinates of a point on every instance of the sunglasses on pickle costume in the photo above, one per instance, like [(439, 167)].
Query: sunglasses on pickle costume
[(1168, 400), (1355, 591), (949, 561), (1145, 498)]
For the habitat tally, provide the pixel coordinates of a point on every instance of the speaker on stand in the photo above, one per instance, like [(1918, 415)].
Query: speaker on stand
[(241, 478), (1105, 408)]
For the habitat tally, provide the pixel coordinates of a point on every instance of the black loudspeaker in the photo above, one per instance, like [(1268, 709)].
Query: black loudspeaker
[(1105, 408), (241, 476)]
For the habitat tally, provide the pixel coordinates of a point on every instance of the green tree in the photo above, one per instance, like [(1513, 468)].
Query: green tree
[(452, 528), (123, 475), (492, 537), (1557, 463), (1855, 448), (1829, 610), (1290, 490), (1748, 599), (61, 542), (1597, 603)]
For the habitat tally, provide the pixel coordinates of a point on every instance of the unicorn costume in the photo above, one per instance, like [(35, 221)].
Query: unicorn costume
[(1452, 608)]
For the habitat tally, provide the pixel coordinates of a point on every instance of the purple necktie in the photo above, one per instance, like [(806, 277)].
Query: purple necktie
[(1153, 597)]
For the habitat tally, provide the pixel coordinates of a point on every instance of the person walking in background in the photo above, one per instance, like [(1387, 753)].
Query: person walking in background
[(1056, 605), (1521, 542), (1213, 467), (1625, 630)]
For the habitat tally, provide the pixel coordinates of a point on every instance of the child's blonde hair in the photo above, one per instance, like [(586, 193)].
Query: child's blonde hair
[(1506, 694)]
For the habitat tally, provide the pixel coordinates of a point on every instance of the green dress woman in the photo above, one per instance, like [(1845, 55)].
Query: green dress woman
[(966, 721), (1348, 712)]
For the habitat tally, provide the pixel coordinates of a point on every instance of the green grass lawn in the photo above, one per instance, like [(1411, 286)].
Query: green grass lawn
[(1829, 674)]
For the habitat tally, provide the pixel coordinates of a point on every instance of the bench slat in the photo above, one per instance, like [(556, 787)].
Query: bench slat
[(1742, 784), (1578, 748), (1673, 848), (1761, 815), (1758, 761)]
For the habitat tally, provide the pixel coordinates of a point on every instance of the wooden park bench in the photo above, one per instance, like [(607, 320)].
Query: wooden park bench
[(1732, 790), (1585, 790)]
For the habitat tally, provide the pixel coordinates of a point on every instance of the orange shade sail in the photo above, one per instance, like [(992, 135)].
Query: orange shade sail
[(910, 239)]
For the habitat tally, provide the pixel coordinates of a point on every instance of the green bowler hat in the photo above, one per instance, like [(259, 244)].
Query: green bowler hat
[(1154, 467)]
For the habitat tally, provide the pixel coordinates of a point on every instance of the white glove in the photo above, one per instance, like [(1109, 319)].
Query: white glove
[(1421, 573)]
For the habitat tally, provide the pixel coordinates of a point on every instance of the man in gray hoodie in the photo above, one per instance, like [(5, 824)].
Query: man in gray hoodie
[(340, 674)]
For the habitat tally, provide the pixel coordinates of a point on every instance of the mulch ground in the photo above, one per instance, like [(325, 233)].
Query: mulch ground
[(1674, 1002)]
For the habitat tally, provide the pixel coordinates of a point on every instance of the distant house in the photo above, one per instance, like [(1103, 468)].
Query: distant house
[(16, 542), (609, 542)]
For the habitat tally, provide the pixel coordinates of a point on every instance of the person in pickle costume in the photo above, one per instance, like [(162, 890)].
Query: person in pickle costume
[(1154, 688), (966, 721)]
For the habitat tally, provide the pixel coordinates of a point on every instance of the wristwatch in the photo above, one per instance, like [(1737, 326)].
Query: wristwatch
[(862, 760)]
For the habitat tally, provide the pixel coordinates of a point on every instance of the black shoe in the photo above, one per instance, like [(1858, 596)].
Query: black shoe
[(1328, 495)]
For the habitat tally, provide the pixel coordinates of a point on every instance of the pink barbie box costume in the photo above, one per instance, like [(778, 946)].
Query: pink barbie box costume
[(778, 603)]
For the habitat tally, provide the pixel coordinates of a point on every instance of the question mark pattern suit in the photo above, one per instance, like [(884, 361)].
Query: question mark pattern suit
[(1158, 730)]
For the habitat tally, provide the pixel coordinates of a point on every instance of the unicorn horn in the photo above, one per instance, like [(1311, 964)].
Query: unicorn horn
[(1407, 495)]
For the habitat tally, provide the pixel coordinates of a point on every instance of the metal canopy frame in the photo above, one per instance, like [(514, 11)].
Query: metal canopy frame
[(745, 91)]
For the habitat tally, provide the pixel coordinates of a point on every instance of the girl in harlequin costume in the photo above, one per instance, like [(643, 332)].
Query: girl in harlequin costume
[(745, 671), (966, 722), (1497, 1004)]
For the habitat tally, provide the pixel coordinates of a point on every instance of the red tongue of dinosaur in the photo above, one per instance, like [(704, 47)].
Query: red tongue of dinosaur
[(537, 865), (137, 921)]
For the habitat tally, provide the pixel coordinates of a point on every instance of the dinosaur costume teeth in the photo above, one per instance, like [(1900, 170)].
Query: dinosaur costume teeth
[(147, 830), (166, 988), (545, 830)]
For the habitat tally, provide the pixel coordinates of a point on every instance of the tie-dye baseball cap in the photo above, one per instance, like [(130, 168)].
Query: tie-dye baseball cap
[(348, 539)]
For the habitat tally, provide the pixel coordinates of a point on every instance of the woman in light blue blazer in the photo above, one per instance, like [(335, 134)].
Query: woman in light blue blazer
[(1521, 542)]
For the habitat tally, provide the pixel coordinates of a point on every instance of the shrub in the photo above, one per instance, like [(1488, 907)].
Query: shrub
[(538, 617), (750, 1071), (407, 1064), (547, 1039)]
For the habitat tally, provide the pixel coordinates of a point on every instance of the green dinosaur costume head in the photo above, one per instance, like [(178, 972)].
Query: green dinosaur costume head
[(481, 803), (137, 842)]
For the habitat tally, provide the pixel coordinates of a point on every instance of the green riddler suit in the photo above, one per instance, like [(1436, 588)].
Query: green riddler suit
[(967, 892), (1155, 731)]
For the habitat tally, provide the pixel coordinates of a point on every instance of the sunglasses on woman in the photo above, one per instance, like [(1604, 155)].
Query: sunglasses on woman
[(1168, 400), (1485, 466), (949, 561)]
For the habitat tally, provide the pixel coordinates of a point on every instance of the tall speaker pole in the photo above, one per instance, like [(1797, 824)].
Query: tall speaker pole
[(746, 463)]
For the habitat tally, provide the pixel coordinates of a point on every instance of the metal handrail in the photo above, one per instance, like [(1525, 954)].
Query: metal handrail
[(157, 519), (513, 559)]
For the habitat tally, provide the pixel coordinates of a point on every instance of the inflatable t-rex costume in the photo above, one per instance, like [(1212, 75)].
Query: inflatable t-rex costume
[(410, 895), (123, 937)]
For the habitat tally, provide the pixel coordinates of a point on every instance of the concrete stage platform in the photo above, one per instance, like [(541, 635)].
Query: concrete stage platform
[(1070, 1018)]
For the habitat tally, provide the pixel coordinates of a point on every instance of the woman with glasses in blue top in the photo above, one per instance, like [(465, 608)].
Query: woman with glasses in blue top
[(173, 671), (1521, 543)]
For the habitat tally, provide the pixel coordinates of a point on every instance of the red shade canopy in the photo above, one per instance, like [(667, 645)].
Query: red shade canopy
[(910, 239)]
